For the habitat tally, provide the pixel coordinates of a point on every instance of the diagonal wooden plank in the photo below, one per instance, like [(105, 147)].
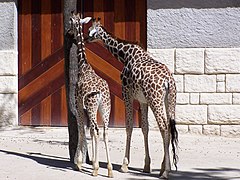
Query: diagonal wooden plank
[(41, 68), (41, 82), (42, 94)]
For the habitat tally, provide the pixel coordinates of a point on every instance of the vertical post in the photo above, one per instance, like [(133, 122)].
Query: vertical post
[(70, 52)]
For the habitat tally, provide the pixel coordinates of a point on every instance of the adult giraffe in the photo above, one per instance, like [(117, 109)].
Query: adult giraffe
[(149, 82), (91, 94)]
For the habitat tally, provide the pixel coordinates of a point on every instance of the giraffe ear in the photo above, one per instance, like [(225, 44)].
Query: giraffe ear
[(85, 20)]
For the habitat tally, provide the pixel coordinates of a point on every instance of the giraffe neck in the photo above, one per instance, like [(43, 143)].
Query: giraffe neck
[(81, 55), (119, 48)]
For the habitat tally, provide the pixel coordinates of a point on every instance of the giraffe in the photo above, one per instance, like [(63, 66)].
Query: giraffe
[(149, 82), (91, 94)]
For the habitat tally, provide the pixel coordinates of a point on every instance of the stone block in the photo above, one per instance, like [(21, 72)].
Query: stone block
[(8, 84), (8, 61), (221, 87), (8, 109), (191, 114), (211, 130), (221, 77), (195, 129), (182, 129), (165, 56), (194, 98), (216, 98), (182, 98), (179, 82), (190, 61), (200, 83), (224, 114), (222, 60), (230, 130), (236, 98), (233, 82)]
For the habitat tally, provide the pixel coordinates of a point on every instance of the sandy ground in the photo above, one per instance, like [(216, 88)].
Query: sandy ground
[(42, 153)]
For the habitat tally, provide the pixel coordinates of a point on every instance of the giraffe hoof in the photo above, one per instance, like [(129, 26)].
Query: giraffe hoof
[(95, 172), (78, 167), (164, 175), (147, 169), (124, 168), (110, 174)]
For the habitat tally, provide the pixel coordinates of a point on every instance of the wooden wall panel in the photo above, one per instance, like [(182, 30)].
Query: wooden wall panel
[(41, 64), (42, 94), (46, 35)]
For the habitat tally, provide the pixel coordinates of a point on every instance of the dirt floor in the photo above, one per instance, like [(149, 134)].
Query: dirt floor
[(42, 153)]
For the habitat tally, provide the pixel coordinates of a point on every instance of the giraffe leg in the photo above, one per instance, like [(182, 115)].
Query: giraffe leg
[(96, 160), (109, 165), (129, 128), (105, 113), (93, 145), (157, 107), (78, 159), (166, 167), (91, 104), (145, 130), (169, 134)]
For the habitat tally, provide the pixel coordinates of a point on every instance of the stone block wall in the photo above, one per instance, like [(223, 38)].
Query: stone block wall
[(8, 64), (208, 86)]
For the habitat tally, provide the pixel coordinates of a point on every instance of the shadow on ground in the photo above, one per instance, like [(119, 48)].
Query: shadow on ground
[(47, 160), (63, 164), (201, 174)]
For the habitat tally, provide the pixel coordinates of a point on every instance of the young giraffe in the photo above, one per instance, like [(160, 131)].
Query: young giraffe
[(92, 94), (149, 82)]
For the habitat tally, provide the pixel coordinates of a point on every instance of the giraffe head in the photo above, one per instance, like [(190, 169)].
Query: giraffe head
[(94, 30), (75, 23)]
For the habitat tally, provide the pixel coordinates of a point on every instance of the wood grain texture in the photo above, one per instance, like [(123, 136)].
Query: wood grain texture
[(36, 32), (46, 111), (41, 68), (42, 93)]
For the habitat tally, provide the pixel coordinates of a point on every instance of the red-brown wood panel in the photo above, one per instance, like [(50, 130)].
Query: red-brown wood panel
[(41, 63), (42, 94)]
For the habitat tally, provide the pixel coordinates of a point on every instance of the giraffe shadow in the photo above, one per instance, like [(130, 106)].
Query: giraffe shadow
[(221, 173), (58, 163), (55, 162), (64, 164)]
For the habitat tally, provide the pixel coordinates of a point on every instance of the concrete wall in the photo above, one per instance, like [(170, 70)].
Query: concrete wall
[(191, 23), (8, 63), (199, 41)]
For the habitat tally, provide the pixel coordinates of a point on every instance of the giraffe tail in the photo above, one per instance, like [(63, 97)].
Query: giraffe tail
[(171, 99), (174, 141)]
